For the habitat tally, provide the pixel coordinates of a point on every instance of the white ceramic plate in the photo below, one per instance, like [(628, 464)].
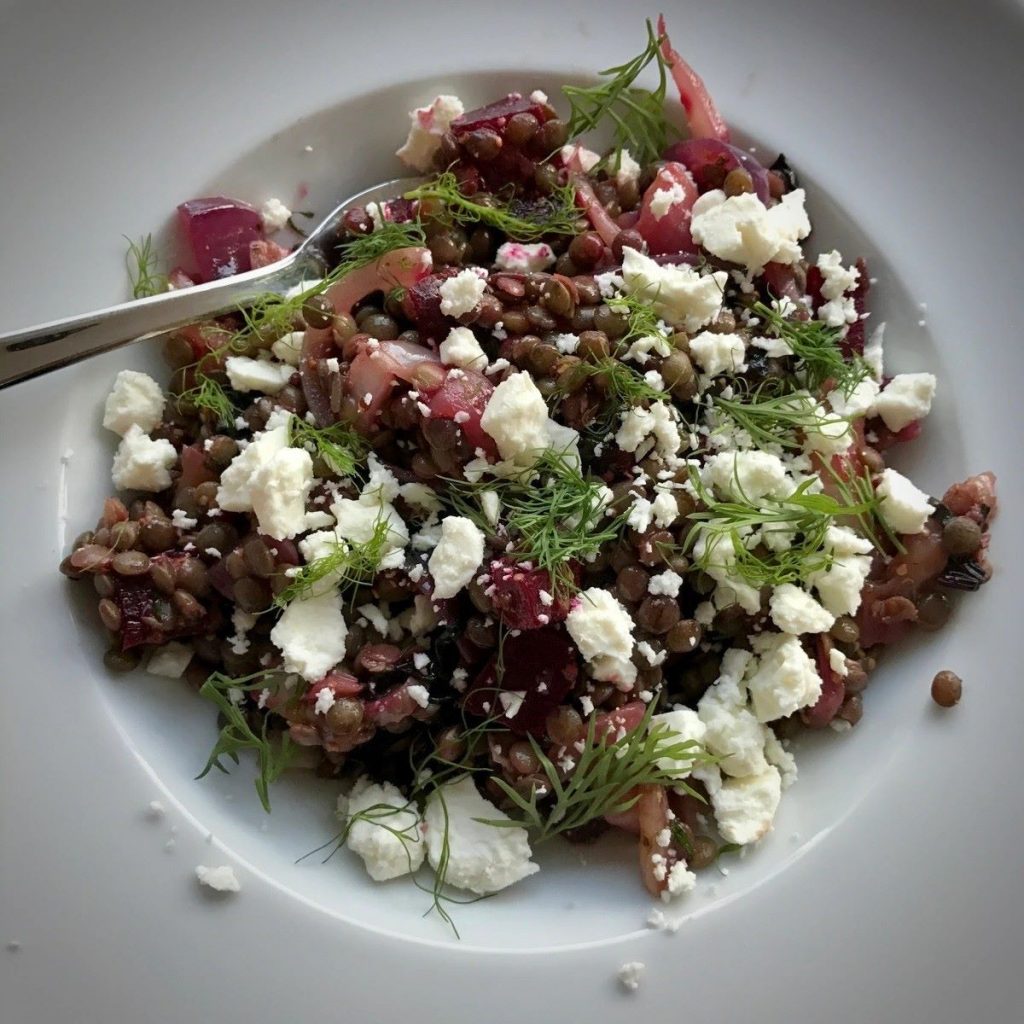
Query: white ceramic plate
[(891, 887)]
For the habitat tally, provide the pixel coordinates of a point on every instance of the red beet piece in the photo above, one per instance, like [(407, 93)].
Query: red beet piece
[(422, 304), (495, 115), (219, 232), (263, 252), (516, 595), (465, 395)]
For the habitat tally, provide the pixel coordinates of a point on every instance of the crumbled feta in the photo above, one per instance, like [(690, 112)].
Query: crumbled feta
[(745, 807), (665, 509), (566, 343), (743, 230), (279, 490), (221, 879), (524, 257), (778, 755), (480, 858), (639, 516), (457, 556), (325, 700), (829, 434), (874, 351), (795, 611), (490, 505), (170, 660), (665, 583), (837, 662), (311, 635), (263, 375), (142, 464), (462, 349), (665, 198), (609, 283), (733, 733), (678, 293), (630, 974), (427, 126), (461, 294), (289, 348), (516, 416), (575, 155), (748, 475), (419, 693), (839, 587), (420, 496), (718, 353), (906, 398), (628, 171), (784, 678), (235, 491), (135, 400), (181, 521), (683, 725), (681, 880), (275, 215), (639, 423), (903, 506), (858, 402), (602, 629), (838, 309), (384, 829)]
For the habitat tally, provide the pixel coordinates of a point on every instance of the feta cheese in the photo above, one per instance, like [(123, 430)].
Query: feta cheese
[(678, 293), (490, 505), (631, 973), (389, 841), (289, 348), (524, 257), (516, 416), (681, 880), (577, 156), (665, 198), (457, 556), (903, 506), (235, 491), (733, 733), (311, 635), (480, 858), (745, 807), (181, 521), (829, 434), (779, 756), (683, 725), (718, 353), (427, 126), (263, 375), (136, 400), (602, 630), (275, 215), (639, 516), (639, 424), (795, 611), (858, 402), (743, 230), (421, 497), (142, 464), (462, 349), (874, 351), (170, 661), (839, 309), (748, 475), (784, 678), (839, 587), (461, 294), (325, 700), (906, 398), (566, 343), (279, 491), (628, 170), (666, 583), (220, 879), (837, 662)]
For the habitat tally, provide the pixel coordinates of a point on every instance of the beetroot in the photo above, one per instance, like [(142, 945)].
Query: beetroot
[(465, 395), (263, 252), (779, 281), (422, 304), (853, 343), (540, 664), (136, 598), (194, 468), (974, 497), (515, 592), (495, 115), (219, 232)]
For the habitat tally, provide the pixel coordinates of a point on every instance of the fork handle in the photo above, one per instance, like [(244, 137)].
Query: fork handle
[(37, 350)]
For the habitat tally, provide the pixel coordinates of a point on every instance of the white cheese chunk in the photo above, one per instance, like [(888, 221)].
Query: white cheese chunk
[(462, 293), (602, 629), (678, 293), (748, 475), (279, 491), (667, 583), (289, 347), (263, 375), (516, 416), (858, 402), (784, 678), (274, 215), (628, 171), (458, 555), (683, 725), (142, 464), (795, 611), (731, 730), (745, 807), (389, 841), (220, 879), (576, 155), (839, 587), (427, 125), (903, 506), (170, 660), (906, 398), (718, 353), (480, 858), (462, 349), (235, 491), (311, 635), (659, 421), (665, 198), (135, 400), (630, 974)]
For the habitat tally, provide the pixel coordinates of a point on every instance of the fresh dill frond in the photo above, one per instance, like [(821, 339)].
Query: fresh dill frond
[(209, 394), (638, 115), (348, 565), (274, 756), (555, 215), (141, 261), (857, 490), (641, 322), (816, 348), (605, 778), (771, 415), (341, 446)]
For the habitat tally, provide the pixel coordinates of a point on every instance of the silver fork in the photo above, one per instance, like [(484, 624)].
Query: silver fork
[(36, 350)]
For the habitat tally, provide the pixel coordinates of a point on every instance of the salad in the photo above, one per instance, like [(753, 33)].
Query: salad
[(560, 503)]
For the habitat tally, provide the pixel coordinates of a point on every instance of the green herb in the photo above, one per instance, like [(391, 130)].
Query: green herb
[(350, 564), (816, 348), (273, 756), (556, 215), (726, 848), (604, 779), (554, 513), (803, 517), (339, 445), (770, 417), (211, 395), (638, 115), (141, 262), (858, 491)]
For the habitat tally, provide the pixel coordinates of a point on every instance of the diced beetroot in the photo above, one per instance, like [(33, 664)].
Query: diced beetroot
[(833, 689), (177, 278), (542, 664), (264, 252), (710, 160), (516, 595), (495, 115), (465, 394), (853, 343), (135, 598), (779, 281), (886, 438), (375, 371), (701, 113), (194, 468), (218, 232), (422, 303), (671, 231), (612, 725), (511, 165)]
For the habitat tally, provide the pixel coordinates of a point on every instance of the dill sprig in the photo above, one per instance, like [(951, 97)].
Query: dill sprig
[(339, 445), (605, 778), (856, 490), (638, 115), (554, 513), (557, 215), (209, 394), (348, 565), (816, 348), (273, 756), (773, 417), (141, 262)]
